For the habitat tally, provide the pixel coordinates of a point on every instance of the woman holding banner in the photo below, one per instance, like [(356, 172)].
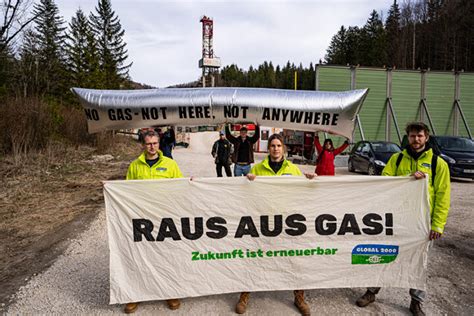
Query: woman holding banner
[(276, 165), (326, 155)]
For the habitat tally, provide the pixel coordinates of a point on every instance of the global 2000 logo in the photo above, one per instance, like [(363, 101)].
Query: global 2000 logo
[(374, 254)]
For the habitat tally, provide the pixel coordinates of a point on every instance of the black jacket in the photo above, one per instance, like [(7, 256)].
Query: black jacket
[(222, 150), (236, 141)]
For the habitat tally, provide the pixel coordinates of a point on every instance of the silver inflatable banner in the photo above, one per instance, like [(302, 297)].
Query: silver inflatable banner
[(332, 112)]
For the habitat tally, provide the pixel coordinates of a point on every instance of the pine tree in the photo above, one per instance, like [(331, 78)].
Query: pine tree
[(111, 47), (336, 53), (392, 27), (372, 48), (50, 40), (83, 59)]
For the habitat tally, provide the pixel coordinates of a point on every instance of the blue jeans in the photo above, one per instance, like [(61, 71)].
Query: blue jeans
[(417, 295), (241, 170)]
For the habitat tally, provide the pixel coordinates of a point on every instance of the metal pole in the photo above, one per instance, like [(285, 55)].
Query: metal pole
[(388, 109), (361, 130), (422, 94), (428, 116), (395, 122), (463, 118), (353, 77), (455, 103)]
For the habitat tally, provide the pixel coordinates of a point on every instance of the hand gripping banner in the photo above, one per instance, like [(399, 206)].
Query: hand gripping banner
[(178, 238), (332, 112)]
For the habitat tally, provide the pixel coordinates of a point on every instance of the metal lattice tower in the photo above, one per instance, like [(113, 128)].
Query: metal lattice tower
[(209, 63)]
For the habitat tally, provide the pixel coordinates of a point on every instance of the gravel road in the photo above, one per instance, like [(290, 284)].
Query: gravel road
[(78, 282)]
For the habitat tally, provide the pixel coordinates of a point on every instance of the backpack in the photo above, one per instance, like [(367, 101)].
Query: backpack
[(434, 163)]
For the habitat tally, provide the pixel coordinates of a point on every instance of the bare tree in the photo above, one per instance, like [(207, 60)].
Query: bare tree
[(14, 18)]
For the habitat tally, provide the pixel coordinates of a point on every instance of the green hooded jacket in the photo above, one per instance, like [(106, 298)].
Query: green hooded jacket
[(162, 169), (264, 169), (440, 192)]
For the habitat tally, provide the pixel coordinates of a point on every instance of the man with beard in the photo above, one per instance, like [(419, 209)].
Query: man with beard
[(419, 161)]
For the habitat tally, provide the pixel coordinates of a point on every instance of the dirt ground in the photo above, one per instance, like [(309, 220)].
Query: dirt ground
[(47, 199), (54, 246)]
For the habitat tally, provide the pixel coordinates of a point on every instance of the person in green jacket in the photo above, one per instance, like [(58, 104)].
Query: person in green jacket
[(417, 161), (152, 164), (275, 164)]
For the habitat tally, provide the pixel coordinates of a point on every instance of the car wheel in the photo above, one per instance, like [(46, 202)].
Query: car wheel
[(371, 170), (350, 166)]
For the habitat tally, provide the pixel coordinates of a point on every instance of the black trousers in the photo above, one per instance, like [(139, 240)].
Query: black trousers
[(226, 167)]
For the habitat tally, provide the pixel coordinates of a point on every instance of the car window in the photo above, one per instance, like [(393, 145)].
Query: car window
[(366, 148), (359, 148), (385, 148), (456, 144)]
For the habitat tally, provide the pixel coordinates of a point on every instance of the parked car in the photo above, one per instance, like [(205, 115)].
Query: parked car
[(458, 152), (371, 156)]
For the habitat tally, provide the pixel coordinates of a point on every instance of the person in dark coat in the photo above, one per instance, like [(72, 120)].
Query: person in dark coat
[(221, 151), (167, 141), (243, 150)]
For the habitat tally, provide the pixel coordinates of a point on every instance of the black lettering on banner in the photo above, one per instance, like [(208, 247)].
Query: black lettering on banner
[(326, 117), (218, 231), (285, 114), (182, 112), (335, 117), (308, 117), (328, 228), (317, 117), (349, 225), (296, 116), (152, 113), (275, 114), (389, 224), (277, 226), (120, 114), (141, 227), (198, 228), (246, 227), (231, 111), (296, 228), (191, 112), (370, 220), (167, 230), (244, 111), (163, 112), (92, 114), (207, 112), (199, 112), (266, 114)]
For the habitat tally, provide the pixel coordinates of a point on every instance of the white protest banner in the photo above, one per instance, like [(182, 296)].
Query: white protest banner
[(333, 112), (178, 238)]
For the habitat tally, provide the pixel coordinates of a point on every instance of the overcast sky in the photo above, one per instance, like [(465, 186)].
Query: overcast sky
[(164, 37)]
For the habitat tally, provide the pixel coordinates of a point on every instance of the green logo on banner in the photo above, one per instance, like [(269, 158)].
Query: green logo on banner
[(374, 254)]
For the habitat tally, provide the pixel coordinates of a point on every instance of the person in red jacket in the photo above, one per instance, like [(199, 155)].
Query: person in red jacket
[(326, 155)]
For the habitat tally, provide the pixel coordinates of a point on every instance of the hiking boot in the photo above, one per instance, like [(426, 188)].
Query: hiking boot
[(173, 303), (366, 299), (241, 306), (130, 308), (301, 304), (415, 308)]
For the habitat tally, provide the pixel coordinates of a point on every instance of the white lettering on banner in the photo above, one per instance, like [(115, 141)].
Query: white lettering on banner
[(177, 238)]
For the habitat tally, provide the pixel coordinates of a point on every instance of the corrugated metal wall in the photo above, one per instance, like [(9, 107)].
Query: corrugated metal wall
[(440, 99), (406, 96), (467, 101)]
